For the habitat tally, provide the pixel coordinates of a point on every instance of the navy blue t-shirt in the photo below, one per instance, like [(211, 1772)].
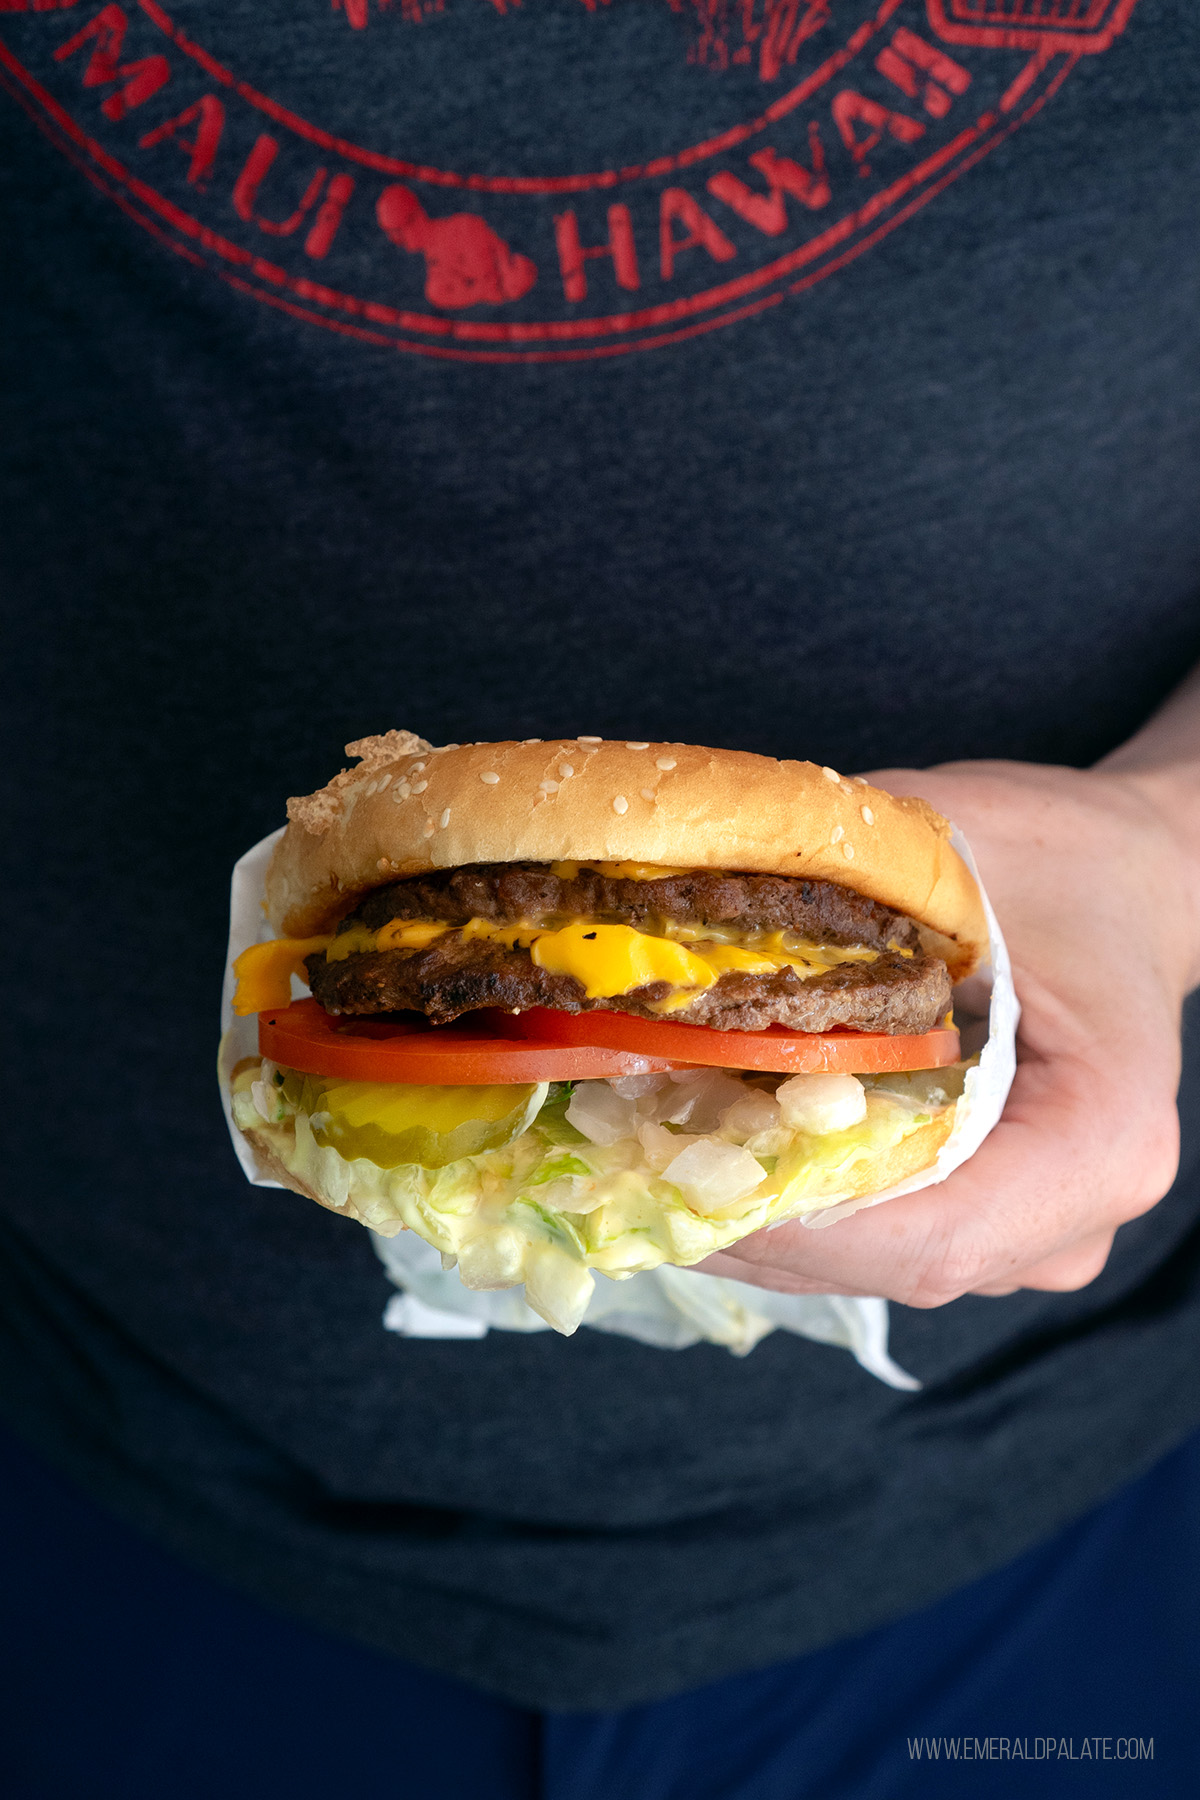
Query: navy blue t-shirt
[(820, 377)]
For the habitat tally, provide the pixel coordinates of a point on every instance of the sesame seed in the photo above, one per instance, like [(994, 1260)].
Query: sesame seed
[(664, 762), (566, 771), (428, 831), (831, 775), (415, 768), (490, 779), (589, 740), (531, 740), (867, 815), (620, 804), (418, 787), (399, 794), (445, 819), (372, 787), (383, 781), (637, 746), (548, 787), (848, 852), (839, 832), (647, 793)]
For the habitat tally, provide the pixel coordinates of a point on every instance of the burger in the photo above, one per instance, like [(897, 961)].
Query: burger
[(583, 1006)]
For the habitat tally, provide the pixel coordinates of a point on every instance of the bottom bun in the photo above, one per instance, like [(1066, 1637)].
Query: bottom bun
[(877, 1173), (551, 1206)]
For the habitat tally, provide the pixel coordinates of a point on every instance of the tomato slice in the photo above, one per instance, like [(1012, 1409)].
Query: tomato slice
[(303, 1036), (777, 1048), (492, 1048)]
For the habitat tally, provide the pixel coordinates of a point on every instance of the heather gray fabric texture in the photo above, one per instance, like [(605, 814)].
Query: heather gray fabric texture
[(944, 504)]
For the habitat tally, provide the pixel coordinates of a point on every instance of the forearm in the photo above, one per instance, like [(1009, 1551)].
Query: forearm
[(1162, 761), (1169, 740)]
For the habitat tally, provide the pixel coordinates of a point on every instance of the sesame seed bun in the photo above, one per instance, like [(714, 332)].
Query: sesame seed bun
[(408, 808)]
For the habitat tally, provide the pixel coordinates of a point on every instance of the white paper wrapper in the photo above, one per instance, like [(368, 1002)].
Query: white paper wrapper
[(986, 1010), (667, 1307)]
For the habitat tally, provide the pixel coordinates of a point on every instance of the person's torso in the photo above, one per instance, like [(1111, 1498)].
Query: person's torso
[(820, 379)]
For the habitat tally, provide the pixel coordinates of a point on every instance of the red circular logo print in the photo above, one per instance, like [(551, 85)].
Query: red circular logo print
[(805, 130)]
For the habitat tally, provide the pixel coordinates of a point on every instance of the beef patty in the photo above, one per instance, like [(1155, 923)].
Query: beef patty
[(505, 893), (894, 993)]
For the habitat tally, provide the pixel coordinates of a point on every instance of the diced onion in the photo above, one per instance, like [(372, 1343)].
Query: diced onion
[(266, 1100), (713, 1174), (636, 1087), (751, 1113), (697, 1097), (571, 1194), (821, 1103), (660, 1146), (492, 1260), (600, 1113)]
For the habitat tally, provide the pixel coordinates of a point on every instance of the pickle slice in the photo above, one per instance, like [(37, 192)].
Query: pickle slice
[(391, 1123)]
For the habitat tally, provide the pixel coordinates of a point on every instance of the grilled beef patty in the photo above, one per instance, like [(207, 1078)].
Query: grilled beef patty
[(504, 893), (894, 993)]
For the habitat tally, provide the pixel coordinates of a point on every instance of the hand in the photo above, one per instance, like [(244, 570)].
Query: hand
[(1094, 879)]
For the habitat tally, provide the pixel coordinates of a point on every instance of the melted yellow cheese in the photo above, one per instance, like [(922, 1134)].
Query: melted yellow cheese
[(409, 934), (607, 960), (615, 959), (620, 871), (397, 934), (356, 941), (513, 937), (264, 972)]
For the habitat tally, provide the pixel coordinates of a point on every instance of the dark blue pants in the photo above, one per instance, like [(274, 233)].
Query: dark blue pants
[(127, 1676)]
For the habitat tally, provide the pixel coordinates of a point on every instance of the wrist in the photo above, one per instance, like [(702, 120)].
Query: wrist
[(1171, 792)]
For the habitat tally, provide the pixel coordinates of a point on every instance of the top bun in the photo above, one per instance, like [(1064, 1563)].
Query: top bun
[(408, 808)]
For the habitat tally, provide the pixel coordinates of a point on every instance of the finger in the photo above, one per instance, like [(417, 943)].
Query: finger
[(1069, 1270), (730, 1267), (1062, 1165)]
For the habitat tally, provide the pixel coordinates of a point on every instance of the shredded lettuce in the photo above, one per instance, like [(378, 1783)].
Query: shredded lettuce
[(552, 1124), (548, 1207)]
